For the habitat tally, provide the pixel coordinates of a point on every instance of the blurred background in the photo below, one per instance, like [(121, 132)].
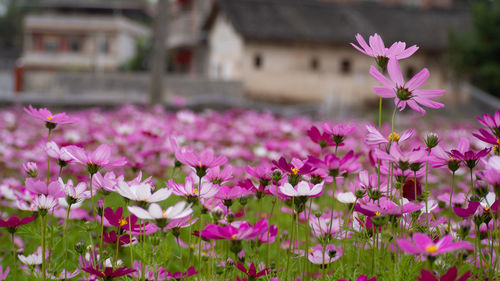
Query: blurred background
[(288, 56)]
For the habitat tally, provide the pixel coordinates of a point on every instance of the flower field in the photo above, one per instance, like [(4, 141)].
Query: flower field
[(146, 194)]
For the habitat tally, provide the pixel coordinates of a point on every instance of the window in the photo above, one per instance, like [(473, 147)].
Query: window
[(410, 72), (257, 61), (345, 66), (51, 43), (75, 44), (104, 45), (314, 64)]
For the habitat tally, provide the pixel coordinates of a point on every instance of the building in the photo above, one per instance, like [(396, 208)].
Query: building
[(82, 35), (299, 51)]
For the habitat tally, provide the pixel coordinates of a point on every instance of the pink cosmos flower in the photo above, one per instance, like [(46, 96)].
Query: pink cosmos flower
[(45, 115), (39, 187), (107, 272), (3, 274), (450, 275), (406, 93), (230, 193), (321, 228), (303, 188), (200, 162), (423, 244), (374, 137), (190, 191), (95, 160), (240, 230), (491, 172), (295, 167), (55, 152), (378, 50), (64, 275), (329, 254), (78, 193), (386, 207)]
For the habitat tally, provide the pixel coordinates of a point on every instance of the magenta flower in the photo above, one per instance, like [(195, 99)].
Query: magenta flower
[(95, 160), (323, 139), (235, 231), (181, 275), (111, 238), (252, 272), (362, 278), (423, 244), (201, 162), (294, 167), (450, 275), (406, 93), (230, 193), (491, 122), (13, 222), (338, 132), (45, 115), (469, 158), (108, 273), (336, 166)]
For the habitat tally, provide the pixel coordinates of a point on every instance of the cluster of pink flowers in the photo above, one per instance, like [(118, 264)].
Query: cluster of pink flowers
[(135, 195)]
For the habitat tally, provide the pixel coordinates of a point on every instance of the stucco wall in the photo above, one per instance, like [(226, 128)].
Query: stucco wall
[(286, 73)]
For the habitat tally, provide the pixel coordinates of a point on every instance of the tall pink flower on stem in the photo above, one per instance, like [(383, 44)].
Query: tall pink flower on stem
[(378, 50), (51, 120), (421, 244), (406, 93), (96, 159), (200, 162)]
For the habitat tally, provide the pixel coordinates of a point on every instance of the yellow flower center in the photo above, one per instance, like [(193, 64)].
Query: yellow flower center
[(451, 158), (164, 213), (195, 190), (50, 117), (377, 213), (431, 248), (191, 246), (295, 171), (311, 250), (234, 236), (486, 208), (122, 222), (498, 141), (393, 136)]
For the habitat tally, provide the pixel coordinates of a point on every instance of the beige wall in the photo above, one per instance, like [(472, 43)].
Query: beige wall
[(286, 75)]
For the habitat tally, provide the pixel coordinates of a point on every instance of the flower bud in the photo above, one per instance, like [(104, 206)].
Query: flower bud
[(31, 169), (100, 207), (431, 140), (80, 247)]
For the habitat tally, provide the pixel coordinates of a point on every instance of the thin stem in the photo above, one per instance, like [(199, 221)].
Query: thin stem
[(268, 233), (48, 160), (14, 259), (66, 222), (380, 113), (449, 203), (44, 224), (290, 242)]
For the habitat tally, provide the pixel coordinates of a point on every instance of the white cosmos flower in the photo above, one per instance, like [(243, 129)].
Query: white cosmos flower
[(346, 197), (33, 259), (155, 212), (141, 192), (44, 202), (303, 189)]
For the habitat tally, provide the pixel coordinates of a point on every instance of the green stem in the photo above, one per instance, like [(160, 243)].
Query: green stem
[(44, 225), (290, 242), (449, 203), (268, 233), (48, 160), (66, 223), (14, 259)]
